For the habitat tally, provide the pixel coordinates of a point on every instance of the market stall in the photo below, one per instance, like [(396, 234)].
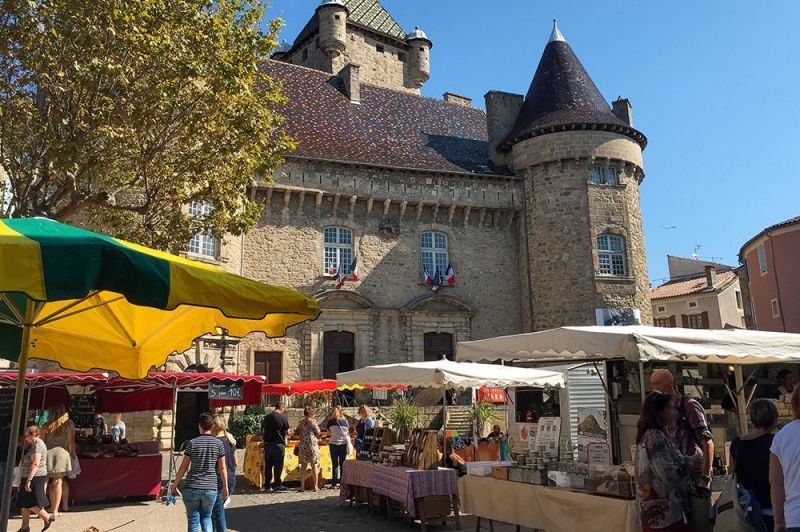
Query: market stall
[(254, 450), (405, 475)]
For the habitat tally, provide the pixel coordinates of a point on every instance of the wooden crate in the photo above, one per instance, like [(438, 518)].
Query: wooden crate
[(500, 472)]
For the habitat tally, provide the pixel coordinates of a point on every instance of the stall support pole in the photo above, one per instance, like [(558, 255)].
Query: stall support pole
[(444, 426), (641, 381), (741, 401), (172, 438), (16, 417)]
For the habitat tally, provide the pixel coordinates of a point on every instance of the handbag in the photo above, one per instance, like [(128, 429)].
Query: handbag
[(737, 509), (76, 468)]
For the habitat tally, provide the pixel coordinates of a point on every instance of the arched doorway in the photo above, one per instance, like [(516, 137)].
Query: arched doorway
[(339, 353), (190, 405)]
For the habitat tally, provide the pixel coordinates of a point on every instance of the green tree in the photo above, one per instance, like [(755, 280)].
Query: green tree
[(118, 113)]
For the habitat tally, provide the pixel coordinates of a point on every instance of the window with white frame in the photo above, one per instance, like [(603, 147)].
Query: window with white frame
[(611, 254), (203, 244), (338, 249), (433, 249), (738, 300), (762, 258), (604, 176), (776, 308)]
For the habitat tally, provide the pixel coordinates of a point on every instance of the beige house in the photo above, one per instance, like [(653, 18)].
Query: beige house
[(703, 295)]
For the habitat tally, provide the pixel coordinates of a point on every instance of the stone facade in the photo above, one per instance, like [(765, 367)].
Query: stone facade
[(567, 212)]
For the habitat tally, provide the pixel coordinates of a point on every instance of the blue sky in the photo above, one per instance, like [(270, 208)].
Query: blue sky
[(714, 86)]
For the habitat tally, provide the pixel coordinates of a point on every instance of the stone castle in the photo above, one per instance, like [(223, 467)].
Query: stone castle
[(534, 204)]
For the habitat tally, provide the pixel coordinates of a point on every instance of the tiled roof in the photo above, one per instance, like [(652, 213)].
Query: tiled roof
[(367, 13), (562, 96), (388, 127), (779, 225), (695, 285)]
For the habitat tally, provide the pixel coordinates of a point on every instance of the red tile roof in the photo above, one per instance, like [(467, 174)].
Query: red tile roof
[(388, 127), (695, 285)]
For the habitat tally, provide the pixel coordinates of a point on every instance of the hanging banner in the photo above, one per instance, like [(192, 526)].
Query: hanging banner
[(491, 395)]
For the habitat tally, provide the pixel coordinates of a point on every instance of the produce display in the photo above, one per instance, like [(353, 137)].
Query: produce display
[(88, 447)]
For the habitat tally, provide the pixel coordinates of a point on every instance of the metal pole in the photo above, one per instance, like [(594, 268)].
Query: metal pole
[(16, 417), (641, 380), (172, 437), (444, 426), (741, 401)]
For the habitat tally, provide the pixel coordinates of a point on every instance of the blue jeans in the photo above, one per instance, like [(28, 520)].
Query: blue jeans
[(199, 505), (218, 514), (338, 456)]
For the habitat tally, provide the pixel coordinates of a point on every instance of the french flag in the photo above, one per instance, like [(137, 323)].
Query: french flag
[(450, 276), (340, 276), (354, 269), (331, 269), (428, 279), (437, 281)]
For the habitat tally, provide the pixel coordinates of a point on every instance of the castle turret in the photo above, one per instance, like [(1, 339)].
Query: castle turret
[(419, 64), (332, 16), (582, 167)]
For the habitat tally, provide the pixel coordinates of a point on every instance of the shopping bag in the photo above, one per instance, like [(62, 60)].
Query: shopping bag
[(737, 510), (76, 468)]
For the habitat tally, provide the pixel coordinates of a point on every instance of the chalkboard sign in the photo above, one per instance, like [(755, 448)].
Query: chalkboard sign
[(225, 391), (6, 405), (82, 408)]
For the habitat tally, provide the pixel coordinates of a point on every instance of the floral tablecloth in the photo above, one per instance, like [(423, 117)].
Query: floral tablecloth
[(254, 463)]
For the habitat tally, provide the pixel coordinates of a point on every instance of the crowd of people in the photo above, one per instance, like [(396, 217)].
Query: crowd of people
[(675, 453)]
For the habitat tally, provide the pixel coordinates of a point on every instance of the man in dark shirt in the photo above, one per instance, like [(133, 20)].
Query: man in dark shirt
[(274, 427)]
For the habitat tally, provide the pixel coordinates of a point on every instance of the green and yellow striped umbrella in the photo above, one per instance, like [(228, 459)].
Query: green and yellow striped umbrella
[(92, 301)]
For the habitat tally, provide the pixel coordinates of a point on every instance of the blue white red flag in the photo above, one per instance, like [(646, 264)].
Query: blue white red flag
[(450, 276), (437, 281), (341, 275), (428, 279), (354, 269)]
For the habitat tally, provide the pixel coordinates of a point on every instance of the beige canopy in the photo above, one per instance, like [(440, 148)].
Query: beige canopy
[(637, 343)]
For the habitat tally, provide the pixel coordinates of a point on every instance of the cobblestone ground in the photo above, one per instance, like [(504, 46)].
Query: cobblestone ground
[(249, 511)]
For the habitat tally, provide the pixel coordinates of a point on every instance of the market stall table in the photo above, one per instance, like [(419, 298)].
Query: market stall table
[(254, 463), (412, 487), (355, 474), (104, 479), (544, 508)]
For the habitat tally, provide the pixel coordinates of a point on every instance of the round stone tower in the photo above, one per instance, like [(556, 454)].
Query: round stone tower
[(332, 17), (419, 62), (582, 166)]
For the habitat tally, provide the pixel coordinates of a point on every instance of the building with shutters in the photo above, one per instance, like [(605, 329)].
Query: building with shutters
[(699, 295), (770, 261), (533, 203)]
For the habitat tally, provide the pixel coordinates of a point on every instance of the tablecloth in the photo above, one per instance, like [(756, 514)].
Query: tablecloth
[(354, 473), (405, 485), (549, 509), (116, 478), (254, 463)]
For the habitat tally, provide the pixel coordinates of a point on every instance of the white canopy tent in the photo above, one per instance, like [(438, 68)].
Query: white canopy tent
[(450, 375), (639, 343)]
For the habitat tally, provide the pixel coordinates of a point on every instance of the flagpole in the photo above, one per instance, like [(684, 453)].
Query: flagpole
[(16, 416)]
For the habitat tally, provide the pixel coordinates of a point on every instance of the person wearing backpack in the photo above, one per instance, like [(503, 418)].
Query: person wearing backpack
[(691, 436), (750, 456)]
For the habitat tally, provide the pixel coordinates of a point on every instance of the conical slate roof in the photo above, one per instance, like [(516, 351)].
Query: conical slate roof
[(563, 97)]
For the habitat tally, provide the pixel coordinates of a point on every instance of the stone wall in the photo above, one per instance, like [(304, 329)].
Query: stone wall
[(566, 213)]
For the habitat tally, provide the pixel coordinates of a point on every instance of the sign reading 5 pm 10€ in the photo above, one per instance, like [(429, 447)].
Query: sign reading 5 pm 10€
[(225, 391)]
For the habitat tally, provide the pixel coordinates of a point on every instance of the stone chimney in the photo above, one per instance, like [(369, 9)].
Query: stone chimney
[(711, 276), (502, 109), (621, 107), (457, 99), (351, 77)]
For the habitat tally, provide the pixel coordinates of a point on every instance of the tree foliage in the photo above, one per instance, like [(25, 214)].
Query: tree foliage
[(118, 113)]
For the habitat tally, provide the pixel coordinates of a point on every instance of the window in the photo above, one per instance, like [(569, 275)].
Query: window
[(738, 300), (269, 364), (762, 259), (776, 308), (338, 249), (662, 309), (202, 244), (611, 254), (692, 304), (604, 176), (433, 247), (695, 321), (663, 322), (337, 17), (379, 48)]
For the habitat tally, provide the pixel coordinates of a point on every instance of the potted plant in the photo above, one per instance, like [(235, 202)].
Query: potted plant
[(484, 413), (404, 416)]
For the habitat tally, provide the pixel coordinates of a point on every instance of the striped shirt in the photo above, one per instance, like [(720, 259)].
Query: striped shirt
[(204, 452)]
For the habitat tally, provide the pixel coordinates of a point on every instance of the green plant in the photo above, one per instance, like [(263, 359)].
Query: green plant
[(249, 422), (404, 416), (485, 413)]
